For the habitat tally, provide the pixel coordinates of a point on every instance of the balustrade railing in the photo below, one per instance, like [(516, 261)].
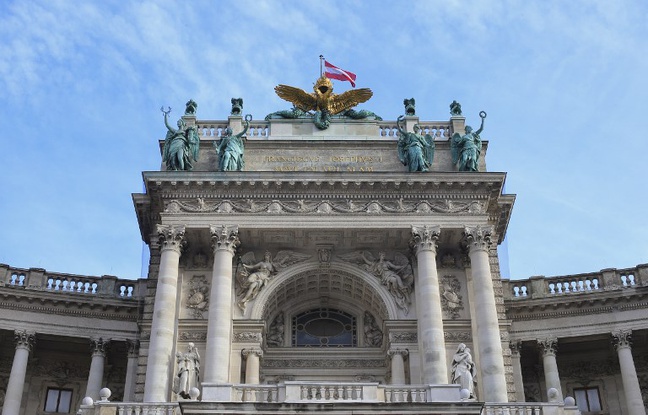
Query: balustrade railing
[(41, 280), (607, 279), (440, 130), (405, 393), (132, 408), (527, 408)]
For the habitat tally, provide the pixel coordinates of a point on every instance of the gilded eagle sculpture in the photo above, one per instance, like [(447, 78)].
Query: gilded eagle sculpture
[(324, 102)]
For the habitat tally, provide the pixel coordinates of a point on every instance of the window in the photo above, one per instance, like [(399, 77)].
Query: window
[(58, 400), (588, 399), (324, 327)]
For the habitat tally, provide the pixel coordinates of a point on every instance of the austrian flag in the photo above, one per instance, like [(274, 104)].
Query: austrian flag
[(333, 72)]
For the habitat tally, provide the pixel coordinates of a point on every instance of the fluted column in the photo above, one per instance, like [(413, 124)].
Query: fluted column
[(491, 356), (160, 358), (428, 307), (549, 347), (252, 356), (13, 396), (622, 341), (219, 325), (95, 377), (397, 365), (131, 370), (516, 348)]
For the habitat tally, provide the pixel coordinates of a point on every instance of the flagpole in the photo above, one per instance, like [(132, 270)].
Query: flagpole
[(321, 60)]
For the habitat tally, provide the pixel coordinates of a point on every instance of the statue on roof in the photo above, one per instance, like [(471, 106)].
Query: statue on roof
[(455, 109), (237, 106), (466, 148), (323, 101), (190, 107), (410, 107), (180, 145), (230, 148), (416, 151)]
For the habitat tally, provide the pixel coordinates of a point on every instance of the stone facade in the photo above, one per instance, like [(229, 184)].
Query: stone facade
[(325, 272)]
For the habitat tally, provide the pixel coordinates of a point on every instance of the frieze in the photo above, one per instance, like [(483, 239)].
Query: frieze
[(247, 337), (193, 335), (457, 336), (326, 364), (314, 206), (404, 337)]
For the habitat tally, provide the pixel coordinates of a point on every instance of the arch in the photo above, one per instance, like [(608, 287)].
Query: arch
[(341, 281)]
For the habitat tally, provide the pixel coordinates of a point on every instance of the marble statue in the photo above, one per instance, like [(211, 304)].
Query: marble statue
[(276, 332), (455, 109), (181, 145), (466, 148), (230, 148), (415, 150), (373, 334), (188, 371), (463, 369)]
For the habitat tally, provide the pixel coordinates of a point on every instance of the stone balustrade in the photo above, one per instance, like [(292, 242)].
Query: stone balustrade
[(41, 280), (528, 409), (113, 408), (605, 280), (211, 129)]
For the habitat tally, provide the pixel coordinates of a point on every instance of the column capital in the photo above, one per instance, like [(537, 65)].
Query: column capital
[(548, 346), (24, 339), (393, 352), (171, 237), (252, 351), (478, 238), (622, 339), (224, 238), (516, 347), (98, 346), (425, 238), (133, 347)]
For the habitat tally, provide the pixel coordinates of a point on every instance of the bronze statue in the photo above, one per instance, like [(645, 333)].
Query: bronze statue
[(181, 146), (415, 150), (237, 106), (230, 149), (467, 148), (410, 107), (191, 107), (455, 109), (323, 101)]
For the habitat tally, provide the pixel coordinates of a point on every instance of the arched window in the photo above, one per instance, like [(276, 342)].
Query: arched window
[(324, 327)]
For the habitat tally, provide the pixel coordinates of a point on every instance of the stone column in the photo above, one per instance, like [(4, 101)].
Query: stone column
[(131, 370), (431, 339), (160, 358), (219, 325), (397, 365), (549, 347), (516, 348), (95, 377), (13, 397), (622, 342), (252, 365), (490, 354)]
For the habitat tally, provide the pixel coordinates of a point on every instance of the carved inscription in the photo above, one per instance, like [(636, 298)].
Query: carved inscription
[(361, 163)]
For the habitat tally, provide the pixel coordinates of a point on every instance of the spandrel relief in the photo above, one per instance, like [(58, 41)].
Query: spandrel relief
[(252, 276), (396, 275)]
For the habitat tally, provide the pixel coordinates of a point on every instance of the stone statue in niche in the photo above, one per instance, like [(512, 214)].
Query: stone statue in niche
[(466, 149), (415, 150), (198, 296), (188, 371), (276, 332), (180, 145), (410, 107), (396, 276), (463, 369), (237, 106), (451, 301), (253, 276), (230, 148), (455, 109), (191, 107), (373, 334)]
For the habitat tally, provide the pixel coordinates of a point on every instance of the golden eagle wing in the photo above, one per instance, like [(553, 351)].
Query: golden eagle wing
[(300, 98), (348, 99)]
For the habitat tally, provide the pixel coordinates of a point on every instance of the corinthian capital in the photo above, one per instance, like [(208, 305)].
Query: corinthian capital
[(425, 238), (622, 338), (24, 339), (98, 346), (548, 346), (478, 237), (171, 237), (224, 237), (254, 351)]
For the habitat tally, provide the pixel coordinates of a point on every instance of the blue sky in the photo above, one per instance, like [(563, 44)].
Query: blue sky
[(564, 83)]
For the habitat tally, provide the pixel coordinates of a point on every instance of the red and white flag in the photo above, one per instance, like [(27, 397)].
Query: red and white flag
[(333, 72)]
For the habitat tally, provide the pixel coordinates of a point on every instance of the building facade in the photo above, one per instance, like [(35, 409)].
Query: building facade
[(323, 276)]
